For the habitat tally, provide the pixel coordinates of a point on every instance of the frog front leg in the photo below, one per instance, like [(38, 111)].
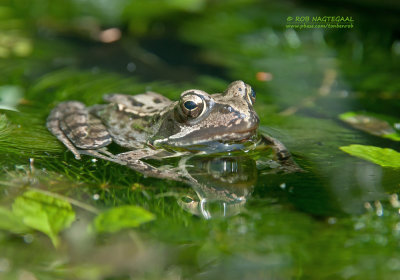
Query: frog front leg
[(282, 153), (283, 156), (72, 124), (133, 159)]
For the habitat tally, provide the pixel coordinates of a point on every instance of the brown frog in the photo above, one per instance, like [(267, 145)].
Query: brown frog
[(150, 125)]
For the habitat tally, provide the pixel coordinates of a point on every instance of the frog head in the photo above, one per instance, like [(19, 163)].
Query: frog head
[(199, 118)]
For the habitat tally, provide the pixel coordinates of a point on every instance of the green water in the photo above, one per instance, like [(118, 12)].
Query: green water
[(59, 216)]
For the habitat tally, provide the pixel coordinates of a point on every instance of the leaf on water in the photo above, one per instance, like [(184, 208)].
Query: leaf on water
[(122, 217), (393, 136), (10, 222), (382, 156), (371, 123), (44, 213), (10, 96)]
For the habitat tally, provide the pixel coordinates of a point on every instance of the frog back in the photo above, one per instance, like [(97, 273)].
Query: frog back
[(131, 119)]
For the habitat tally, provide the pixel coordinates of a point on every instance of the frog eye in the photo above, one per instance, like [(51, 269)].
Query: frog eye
[(192, 105), (251, 95)]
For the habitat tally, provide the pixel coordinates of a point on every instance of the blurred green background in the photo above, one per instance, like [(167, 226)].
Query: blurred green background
[(338, 220)]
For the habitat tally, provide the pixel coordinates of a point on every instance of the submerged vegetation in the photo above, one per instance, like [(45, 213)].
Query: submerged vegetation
[(330, 95)]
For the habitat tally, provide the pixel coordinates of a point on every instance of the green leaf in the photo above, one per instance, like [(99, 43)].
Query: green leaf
[(383, 156), (10, 96), (375, 124), (122, 217), (10, 222), (393, 136), (44, 213)]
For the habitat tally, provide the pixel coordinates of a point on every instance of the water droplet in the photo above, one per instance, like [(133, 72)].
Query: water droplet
[(28, 238), (359, 225), (131, 67), (332, 220)]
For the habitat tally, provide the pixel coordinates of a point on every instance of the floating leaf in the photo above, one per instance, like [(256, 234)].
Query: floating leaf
[(44, 213), (371, 123), (10, 222), (10, 96), (393, 136), (122, 217), (382, 156)]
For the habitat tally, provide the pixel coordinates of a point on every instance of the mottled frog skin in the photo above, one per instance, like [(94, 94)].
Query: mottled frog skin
[(150, 125)]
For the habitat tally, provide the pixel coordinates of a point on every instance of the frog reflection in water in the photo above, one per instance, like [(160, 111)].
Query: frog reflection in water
[(221, 184), (151, 126)]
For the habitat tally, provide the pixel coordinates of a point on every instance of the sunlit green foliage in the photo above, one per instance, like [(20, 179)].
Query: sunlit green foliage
[(383, 157), (10, 222), (44, 213), (121, 217)]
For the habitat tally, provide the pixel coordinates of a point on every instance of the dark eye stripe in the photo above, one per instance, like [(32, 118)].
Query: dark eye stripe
[(190, 105)]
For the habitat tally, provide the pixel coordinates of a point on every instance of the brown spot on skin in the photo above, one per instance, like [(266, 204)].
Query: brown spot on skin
[(103, 138), (98, 132), (74, 115), (77, 126), (77, 135)]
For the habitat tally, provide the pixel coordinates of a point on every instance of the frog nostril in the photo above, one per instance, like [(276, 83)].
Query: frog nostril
[(226, 109)]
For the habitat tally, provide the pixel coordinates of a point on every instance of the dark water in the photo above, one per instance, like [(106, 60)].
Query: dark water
[(339, 219)]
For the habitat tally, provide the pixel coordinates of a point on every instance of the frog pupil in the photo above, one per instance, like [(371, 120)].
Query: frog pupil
[(190, 105)]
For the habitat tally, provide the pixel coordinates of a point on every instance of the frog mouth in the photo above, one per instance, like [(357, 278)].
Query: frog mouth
[(232, 132), (239, 137)]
